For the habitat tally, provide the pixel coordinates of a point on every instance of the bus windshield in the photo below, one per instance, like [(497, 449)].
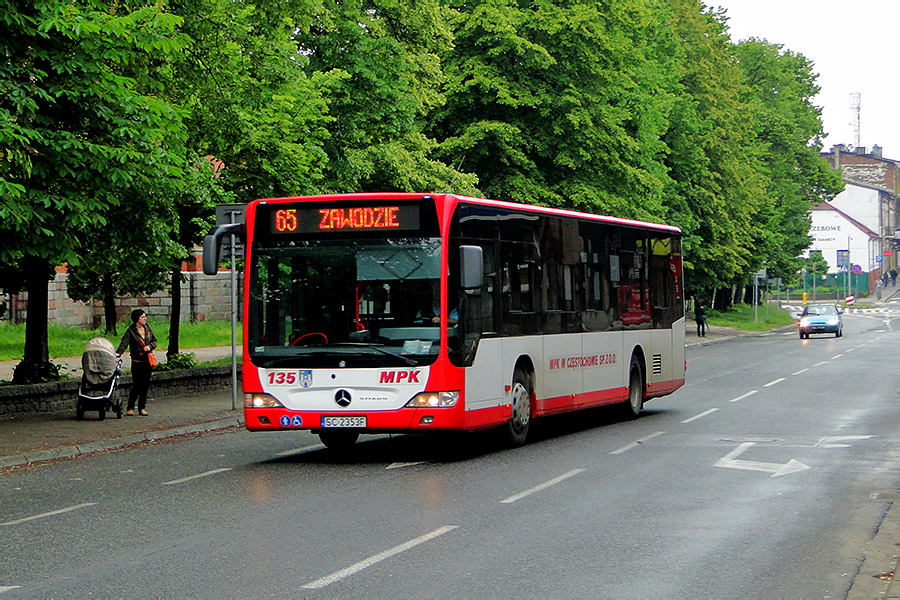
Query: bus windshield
[(351, 302)]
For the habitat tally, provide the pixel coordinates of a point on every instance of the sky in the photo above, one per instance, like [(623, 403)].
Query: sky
[(853, 45)]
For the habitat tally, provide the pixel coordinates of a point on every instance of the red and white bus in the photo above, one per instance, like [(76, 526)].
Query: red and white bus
[(396, 312)]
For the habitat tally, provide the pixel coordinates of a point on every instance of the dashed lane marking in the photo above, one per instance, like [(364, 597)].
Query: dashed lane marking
[(543, 486), (52, 513), (700, 416), (637, 443), (197, 476), (747, 395), (363, 564)]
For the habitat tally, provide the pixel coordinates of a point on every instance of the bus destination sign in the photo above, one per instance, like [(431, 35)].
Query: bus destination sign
[(288, 219)]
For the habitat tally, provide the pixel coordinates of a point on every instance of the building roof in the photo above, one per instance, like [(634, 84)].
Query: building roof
[(851, 220)]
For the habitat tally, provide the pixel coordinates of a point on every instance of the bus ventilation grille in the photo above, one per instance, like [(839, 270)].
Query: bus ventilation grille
[(657, 364)]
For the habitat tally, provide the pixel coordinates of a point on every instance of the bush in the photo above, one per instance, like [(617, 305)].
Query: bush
[(183, 360), (36, 372)]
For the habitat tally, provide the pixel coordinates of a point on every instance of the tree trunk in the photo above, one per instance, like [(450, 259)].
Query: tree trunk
[(36, 348), (109, 305), (175, 316)]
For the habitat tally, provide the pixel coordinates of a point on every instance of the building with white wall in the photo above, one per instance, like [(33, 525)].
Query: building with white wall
[(833, 229)]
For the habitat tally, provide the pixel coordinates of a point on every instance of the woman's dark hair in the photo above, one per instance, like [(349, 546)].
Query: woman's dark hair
[(136, 314)]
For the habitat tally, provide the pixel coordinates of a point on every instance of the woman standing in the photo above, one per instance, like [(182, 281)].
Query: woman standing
[(141, 342)]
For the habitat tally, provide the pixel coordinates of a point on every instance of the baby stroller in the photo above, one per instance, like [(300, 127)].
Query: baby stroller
[(98, 383)]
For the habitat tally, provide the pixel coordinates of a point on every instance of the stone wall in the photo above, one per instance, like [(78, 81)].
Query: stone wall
[(63, 395), (203, 298)]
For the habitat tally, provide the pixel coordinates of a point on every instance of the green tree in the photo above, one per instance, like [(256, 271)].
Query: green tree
[(559, 103), (80, 122), (383, 56), (716, 189), (249, 100), (788, 129)]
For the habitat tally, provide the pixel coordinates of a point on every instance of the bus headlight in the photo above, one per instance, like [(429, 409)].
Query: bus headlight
[(260, 400), (433, 400)]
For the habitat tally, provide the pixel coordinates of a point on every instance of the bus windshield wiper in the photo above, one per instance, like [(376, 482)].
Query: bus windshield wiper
[(405, 359)]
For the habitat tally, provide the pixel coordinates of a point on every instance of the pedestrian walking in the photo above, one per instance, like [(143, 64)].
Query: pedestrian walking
[(878, 287), (700, 317), (884, 279), (893, 277), (141, 342)]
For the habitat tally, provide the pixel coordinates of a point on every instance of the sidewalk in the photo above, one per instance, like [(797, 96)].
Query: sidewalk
[(38, 437)]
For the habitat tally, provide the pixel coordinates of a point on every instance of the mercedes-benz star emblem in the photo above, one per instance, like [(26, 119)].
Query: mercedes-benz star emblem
[(342, 397)]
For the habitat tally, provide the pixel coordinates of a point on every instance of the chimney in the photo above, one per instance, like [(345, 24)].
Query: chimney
[(860, 150), (876, 151)]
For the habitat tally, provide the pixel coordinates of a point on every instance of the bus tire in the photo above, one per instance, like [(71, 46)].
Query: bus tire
[(516, 429), (635, 403), (338, 439)]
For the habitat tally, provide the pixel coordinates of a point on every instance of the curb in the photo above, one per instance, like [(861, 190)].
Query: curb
[(115, 443)]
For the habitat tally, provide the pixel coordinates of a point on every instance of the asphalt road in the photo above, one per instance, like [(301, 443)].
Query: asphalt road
[(764, 477)]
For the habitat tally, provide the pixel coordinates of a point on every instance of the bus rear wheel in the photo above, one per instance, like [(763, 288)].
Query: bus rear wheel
[(635, 389), (338, 439), (516, 429)]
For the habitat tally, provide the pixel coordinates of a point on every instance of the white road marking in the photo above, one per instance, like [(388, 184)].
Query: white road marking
[(775, 382), (198, 476), (400, 465), (302, 450), (636, 443), (800, 371), (543, 486), (730, 461), (52, 513), (834, 440), (747, 395), (819, 364), (363, 564), (700, 416), (837, 356), (6, 588)]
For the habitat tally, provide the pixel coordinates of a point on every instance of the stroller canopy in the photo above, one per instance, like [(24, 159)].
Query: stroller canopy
[(98, 361)]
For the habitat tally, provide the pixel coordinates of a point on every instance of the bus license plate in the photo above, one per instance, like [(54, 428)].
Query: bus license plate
[(344, 421)]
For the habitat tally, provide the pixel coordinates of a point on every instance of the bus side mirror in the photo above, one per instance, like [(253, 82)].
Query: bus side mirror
[(471, 267), (211, 245)]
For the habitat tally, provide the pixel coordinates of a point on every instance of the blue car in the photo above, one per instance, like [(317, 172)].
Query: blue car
[(821, 318)]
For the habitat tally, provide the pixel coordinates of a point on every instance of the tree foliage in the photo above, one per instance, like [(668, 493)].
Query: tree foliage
[(82, 124), (111, 111)]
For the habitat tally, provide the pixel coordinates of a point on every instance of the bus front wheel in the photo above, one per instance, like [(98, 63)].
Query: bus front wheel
[(516, 428), (635, 389)]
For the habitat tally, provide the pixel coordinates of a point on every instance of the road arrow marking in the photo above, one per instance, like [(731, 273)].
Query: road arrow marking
[(834, 441), (729, 461)]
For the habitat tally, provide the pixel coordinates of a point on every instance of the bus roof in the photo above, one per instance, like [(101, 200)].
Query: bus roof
[(454, 198)]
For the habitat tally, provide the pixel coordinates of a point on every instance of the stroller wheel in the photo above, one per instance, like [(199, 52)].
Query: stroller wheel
[(79, 411), (102, 413)]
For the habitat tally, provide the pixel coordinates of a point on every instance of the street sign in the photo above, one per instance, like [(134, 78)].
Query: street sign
[(857, 269)]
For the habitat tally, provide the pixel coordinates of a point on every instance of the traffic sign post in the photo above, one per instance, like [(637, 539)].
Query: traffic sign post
[(225, 214)]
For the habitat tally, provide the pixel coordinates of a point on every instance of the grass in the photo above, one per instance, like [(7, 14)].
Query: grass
[(70, 341), (747, 318)]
